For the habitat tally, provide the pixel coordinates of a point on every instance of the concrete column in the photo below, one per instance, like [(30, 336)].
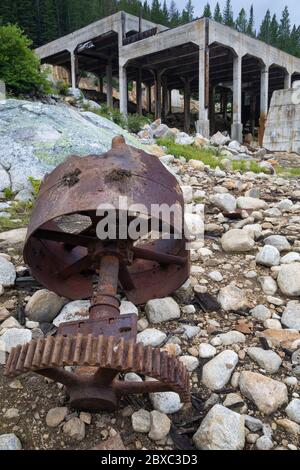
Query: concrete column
[(203, 123), (157, 95), (139, 96), (149, 98), (264, 103), (123, 90), (109, 87), (187, 105), (73, 70), (237, 126), (287, 80)]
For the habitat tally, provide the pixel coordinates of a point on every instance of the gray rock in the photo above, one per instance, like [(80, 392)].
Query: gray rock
[(272, 212), (24, 195), (190, 362), (44, 306), (250, 203), (141, 421), (279, 241), (253, 424), (4, 179), (191, 331), (260, 312), (289, 258), (221, 429), (268, 256), (75, 93), (291, 315), (224, 202), (231, 298), (232, 337), (219, 139), (264, 443), (73, 311), (152, 337), (128, 307), (184, 139), (289, 279), (267, 394), (296, 358), (166, 402), (15, 337), (55, 416), (162, 310), (206, 351), (268, 285), (217, 372), (267, 360), (13, 237), (10, 442), (7, 273), (237, 241), (293, 410), (75, 429), (160, 426), (285, 205)]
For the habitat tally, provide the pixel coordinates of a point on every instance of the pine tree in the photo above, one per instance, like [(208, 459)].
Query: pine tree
[(174, 14), (47, 21), (241, 23), (250, 27), (25, 18), (156, 13), (264, 32), (284, 30), (228, 14), (165, 13), (274, 32), (217, 13), (188, 12), (207, 11)]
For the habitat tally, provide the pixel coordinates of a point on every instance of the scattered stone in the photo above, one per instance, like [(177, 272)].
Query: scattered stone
[(221, 429), (128, 307), (260, 312), (10, 442), (267, 394), (268, 360), (85, 417), (293, 410), (160, 426), (291, 315), (55, 416), (166, 402), (190, 362), (73, 311), (250, 203), (75, 429), (225, 202), (152, 337), (162, 310), (141, 421), (289, 279), (237, 241), (44, 306), (7, 273), (232, 337), (112, 443), (280, 338), (231, 298), (11, 413), (206, 351), (290, 426), (264, 443), (253, 424), (268, 256), (217, 372), (268, 285)]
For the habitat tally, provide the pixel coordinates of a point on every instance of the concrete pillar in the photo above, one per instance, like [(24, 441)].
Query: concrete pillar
[(157, 95), (187, 105), (264, 103), (149, 99), (287, 80), (237, 126), (73, 70), (203, 123), (123, 90), (109, 87), (139, 96)]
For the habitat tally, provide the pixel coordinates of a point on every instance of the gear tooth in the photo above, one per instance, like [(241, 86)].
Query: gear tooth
[(22, 356), (138, 359), (55, 357), (164, 372), (172, 368), (15, 360), (77, 351), (148, 360), (38, 353), (66, 350), (30, 354), (100, 350), (120, 354), (156, 363), (130, 355), (88, 350), (109, 352), (94, 351), (49, 344)]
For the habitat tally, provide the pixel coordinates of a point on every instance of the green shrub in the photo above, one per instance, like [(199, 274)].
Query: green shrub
[(19, 66), (36, 184), (62, 87), (135, 122), (8, 193)]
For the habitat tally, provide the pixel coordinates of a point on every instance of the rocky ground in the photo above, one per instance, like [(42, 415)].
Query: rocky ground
[(243, 354)]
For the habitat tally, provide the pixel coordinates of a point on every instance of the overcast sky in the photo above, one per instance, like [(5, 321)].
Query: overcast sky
[(260, 7)]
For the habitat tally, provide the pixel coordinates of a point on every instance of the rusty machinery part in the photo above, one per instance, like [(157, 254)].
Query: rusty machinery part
[(65, 261), (111, 355)]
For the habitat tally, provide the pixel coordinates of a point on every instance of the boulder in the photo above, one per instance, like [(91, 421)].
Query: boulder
[(267, 360), (268, 256)]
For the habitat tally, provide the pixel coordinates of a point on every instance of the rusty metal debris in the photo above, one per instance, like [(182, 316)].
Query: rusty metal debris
[(68, 260)]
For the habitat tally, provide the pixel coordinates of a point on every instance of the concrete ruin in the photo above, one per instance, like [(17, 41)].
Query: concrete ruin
[(232, 76)]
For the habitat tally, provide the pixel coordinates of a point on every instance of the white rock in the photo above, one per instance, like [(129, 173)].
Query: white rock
[(264, 443), (128, 307), (141, 421), (13, 237), (197, 164), (260, 312), (184, 139), (254, 230), (237, 241), (132, 377), (267, 394), (166, 402), (162, 310), (55, 416), (221, 429), (44, 306), (7, 273), (188, 309), (272, 323), (215, 276), (291, 257), (10, 322), (10, 442), (232, 337), (152, 337), (285, 205), (268, 285), (250, 203), (217, 372), (191, 331), (272, 212), (231, 298), (268, 256), (206, 351), (267, 360), (293, 410), (190, 362), (289, 279), (225, 202), (219, 139), (160, 426), (4, 179), (73, 311), (279, 241), (187, 192), (15, 337), (291, 315)]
